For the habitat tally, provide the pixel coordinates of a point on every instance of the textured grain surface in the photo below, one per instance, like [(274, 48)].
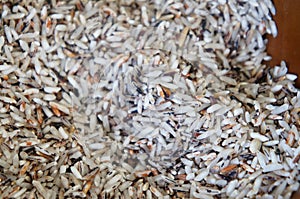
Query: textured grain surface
[(138, 99)]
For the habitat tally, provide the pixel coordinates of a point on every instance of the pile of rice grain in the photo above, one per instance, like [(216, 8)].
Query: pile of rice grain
[(144, 99)]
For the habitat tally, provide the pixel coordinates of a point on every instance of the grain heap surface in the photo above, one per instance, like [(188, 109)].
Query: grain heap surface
[(144, 99)]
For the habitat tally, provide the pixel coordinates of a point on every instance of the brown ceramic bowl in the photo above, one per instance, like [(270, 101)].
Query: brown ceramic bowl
[(286, 46)]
